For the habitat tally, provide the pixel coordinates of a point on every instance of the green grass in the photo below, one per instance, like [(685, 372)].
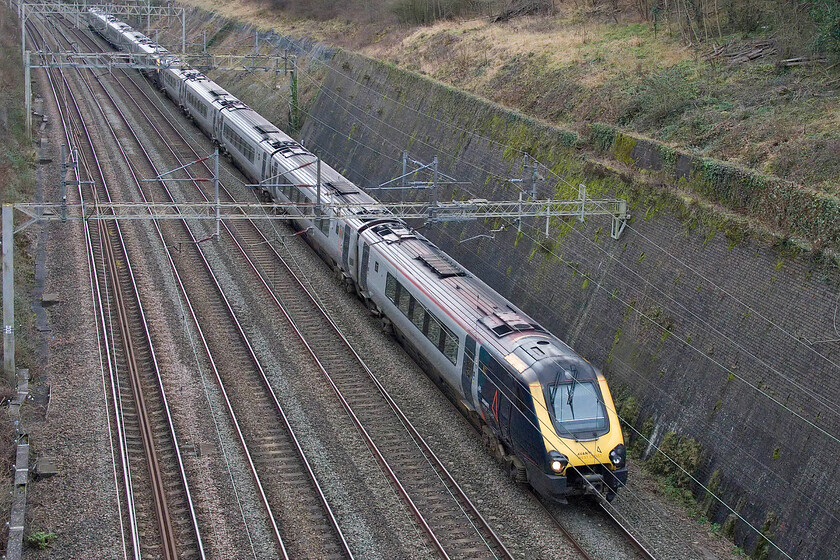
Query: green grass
[(17, 179), (40, 540)]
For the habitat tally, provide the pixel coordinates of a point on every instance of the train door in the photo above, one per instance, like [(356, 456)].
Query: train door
[(506, 406), (345, 248), (354, 254), (494, 383), (274, 179), (363, 266), (262, 176), (468, 370)]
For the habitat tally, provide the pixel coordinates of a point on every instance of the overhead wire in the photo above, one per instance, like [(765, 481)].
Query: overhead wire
[(572, 453), (283, 241), (563, 179), (728, 370), (467, 131), (340, 101), (668, 396), (685, 340), (625, 304)]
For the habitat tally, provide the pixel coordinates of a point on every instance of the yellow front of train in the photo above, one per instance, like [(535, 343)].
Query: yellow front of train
[(581, 433)]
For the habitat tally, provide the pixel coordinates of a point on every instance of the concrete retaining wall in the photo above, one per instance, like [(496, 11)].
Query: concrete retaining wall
[(717, 337), (715, 332)]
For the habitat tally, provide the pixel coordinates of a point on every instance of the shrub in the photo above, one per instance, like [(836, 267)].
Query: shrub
[(685, 451), (423, 12), (40, 540), (660, 97), (826, 14)]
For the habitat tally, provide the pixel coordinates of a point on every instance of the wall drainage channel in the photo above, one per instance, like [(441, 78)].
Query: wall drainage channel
[(17, 516), (14, 549)]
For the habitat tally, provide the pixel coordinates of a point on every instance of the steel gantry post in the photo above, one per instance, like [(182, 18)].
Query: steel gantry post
[(23, 29), (435, 181), (318, 187), (8, 294), (294, 121), (27, 86), (534, 177), (216, 191)]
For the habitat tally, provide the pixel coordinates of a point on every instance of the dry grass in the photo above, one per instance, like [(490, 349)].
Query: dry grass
[(576, 67)]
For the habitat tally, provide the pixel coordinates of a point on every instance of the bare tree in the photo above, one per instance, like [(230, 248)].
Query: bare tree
[(643, 6)]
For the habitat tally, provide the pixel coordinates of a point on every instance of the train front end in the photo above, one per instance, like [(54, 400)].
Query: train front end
[(584, 452)]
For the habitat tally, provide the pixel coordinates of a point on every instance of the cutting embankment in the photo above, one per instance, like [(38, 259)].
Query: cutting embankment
[(714, 313)]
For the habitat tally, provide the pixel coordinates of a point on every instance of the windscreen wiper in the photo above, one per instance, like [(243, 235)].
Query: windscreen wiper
[(556, 385), (572, 387)]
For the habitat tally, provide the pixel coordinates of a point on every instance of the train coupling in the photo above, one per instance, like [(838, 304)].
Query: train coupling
[(594, 484)]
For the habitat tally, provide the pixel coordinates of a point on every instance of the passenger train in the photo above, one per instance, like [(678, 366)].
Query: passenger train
[(542, 408)]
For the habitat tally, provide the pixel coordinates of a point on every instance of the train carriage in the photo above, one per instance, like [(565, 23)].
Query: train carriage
[(543, 408)]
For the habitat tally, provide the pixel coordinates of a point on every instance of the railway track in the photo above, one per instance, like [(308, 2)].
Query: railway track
[(453, 524), (628, 534), (638, 548), (158, 506), (298, 512)]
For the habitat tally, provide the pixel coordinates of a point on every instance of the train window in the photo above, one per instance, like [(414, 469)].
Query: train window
[(437, 333), (403, 299), (242, 147), (450, 345), (468, 365), (196, 104), (376, 266), (324, 225), (336, 228), (418, 314), (434, 331), (391, 287), (523, 398)]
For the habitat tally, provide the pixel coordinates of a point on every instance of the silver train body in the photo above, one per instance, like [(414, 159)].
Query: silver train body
[(543, 409)]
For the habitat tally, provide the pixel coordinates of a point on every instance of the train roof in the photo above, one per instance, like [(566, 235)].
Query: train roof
[(467, 300), (479, 309)]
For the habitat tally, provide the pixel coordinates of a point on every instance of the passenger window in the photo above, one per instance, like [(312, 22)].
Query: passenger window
[(405, 300), (434, 331), (418, 315), (450, 347), (376, 266), (391, 288), (324, 225)]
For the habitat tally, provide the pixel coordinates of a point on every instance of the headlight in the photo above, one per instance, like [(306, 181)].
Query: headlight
[(557, 461), (618, 456)]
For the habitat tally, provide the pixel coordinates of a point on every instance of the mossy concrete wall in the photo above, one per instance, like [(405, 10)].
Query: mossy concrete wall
[(719, 325), (726, 340), (786, 207)]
